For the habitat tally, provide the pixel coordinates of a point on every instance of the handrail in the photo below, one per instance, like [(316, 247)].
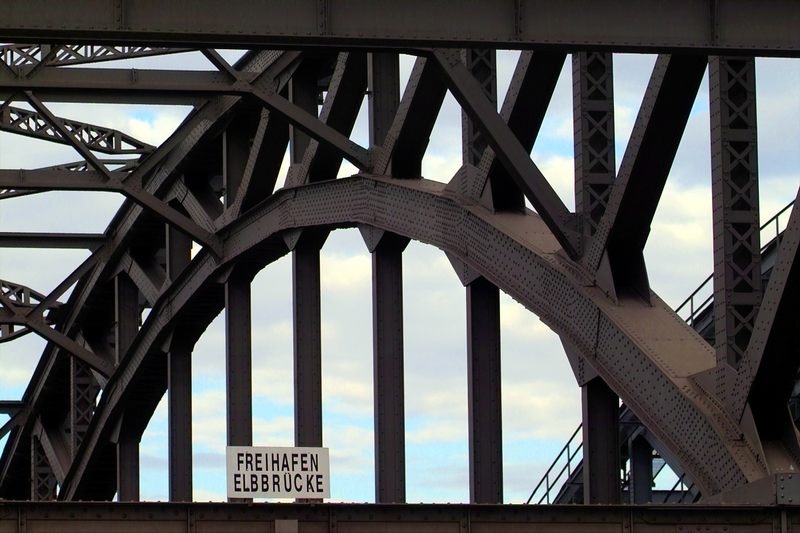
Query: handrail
[(695, 310), (548, 484)]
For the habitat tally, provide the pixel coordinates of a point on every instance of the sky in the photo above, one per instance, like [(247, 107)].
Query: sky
[(541, 401)]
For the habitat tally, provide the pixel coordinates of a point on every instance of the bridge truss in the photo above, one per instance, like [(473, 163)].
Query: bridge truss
[(717, 413)]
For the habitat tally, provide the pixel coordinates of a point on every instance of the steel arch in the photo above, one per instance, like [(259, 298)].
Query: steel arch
[(624, 351)]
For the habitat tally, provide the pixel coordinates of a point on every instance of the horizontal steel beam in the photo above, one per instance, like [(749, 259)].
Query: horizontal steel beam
[(88, 241), (101, 85), (235, 517), (635, 25)]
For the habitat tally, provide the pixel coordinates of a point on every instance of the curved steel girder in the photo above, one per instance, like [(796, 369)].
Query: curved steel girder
[(158, 167), (645, 352)]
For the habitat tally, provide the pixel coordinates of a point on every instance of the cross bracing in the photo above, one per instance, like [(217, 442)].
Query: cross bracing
[(720, 413)]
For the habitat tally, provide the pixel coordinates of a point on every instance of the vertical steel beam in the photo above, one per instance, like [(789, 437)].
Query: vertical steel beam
[(593, 114), (601, 457), (127, 323), (483, 325), (238, 361), (179, 384), (387, 342), (383, 78), (238, 340), (307, 344), (482, 64), (737, 247), (641, 482), (235, 152), (483, 388), (303, 92), (387, 305), (83, 394), (44, 484)]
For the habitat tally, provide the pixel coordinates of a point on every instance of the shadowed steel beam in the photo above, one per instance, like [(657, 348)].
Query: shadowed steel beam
[(238, 332), (238, 364), (387, 346), (339, 111), (601, 449), (511, 153), (159, 168), (179, 387), (126, 314), (644, 25), (383, 73), (768, 371), (112, 517), (593, 115), (140, 86), (524, 108), (404, 145), (737, 242), (659, 126), (484, 392), (90, 241), (57, 179), (641, 471), (313, 127), (11, 407), (28, 55), (137, 194), (307, 341), (70, 346)]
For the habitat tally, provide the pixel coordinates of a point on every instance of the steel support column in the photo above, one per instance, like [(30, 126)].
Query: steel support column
[(484, 392), (737, 248), (303, 92), (238, 340), (641, 470), (238, 361), (593, 113), (482, 64), (127, 325), (387, 342), (307, 344), (387, 304), (179, 379), (601, 457), (43, 481), (483, 325)]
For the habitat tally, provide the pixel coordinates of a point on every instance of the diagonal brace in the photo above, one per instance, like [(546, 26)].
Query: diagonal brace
[(508, 148)]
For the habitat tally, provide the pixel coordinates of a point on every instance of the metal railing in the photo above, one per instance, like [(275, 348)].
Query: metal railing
[(693, 307), (551, 478)]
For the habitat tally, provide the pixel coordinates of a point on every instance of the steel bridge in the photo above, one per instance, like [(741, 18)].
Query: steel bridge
[(717, 413)]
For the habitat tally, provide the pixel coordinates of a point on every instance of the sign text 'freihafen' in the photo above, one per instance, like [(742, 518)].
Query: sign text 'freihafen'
[(265, 472)]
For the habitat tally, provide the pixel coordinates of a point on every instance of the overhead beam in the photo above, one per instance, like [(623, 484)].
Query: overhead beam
[(31, 55), (89, 241), (139, 86), (642, 26)]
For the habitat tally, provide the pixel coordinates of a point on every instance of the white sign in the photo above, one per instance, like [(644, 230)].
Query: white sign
[(260, 472)]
